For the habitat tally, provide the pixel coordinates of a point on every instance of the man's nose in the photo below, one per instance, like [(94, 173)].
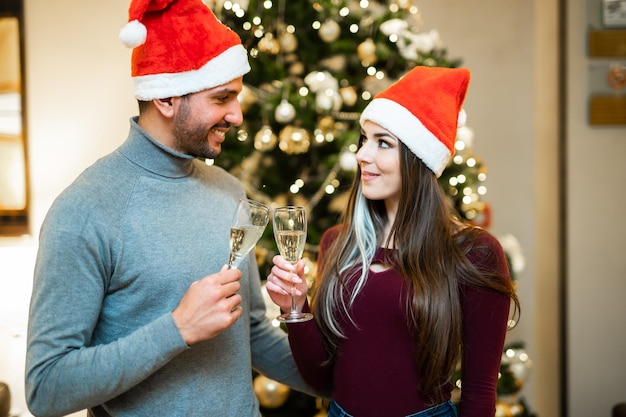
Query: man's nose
[(234, 115)]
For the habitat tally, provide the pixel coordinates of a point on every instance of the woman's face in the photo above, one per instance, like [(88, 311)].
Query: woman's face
[(379, 160)]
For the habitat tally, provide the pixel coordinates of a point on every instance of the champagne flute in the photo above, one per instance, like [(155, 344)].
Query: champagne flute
[(290, 233), (247, 227)]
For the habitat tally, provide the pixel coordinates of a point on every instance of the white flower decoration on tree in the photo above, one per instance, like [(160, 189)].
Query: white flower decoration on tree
[(513, 249), (326, 88), (394, 27), (321, 80), (411, 45)]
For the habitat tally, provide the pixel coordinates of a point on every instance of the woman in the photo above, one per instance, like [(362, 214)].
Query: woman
[(404, 289)]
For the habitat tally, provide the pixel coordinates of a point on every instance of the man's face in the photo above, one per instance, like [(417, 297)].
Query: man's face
[(202, 119)]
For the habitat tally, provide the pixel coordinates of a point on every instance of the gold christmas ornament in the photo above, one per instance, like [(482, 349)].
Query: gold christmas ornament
[(329, 31), (326, 124), (271, 394), (265, 139), (503, 410), (269, 45), (242, 133), (335, 63), (509, 408), (288, 42), (297, 68), (517, 409), (348, 95), (294, 140), (367, 52)]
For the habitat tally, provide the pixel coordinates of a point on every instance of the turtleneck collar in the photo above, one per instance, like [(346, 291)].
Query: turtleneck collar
[(145, 151)]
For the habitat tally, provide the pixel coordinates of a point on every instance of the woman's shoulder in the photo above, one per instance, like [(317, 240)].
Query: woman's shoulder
[(485, 239), (482, 248), (472, 237)]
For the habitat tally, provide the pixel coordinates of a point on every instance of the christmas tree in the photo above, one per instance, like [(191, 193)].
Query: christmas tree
[(315, 66)]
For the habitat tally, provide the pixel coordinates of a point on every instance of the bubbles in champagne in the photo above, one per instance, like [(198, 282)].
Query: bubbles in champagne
[(242, 239), (291, 244)]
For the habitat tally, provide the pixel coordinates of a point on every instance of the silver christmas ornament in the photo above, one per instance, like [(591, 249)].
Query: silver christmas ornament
[(285, 112)]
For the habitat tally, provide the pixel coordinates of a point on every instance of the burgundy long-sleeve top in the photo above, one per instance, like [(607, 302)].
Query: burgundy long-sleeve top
[(373, 373)]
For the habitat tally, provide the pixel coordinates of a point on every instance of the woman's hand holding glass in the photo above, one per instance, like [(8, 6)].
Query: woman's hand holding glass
[(286, 280), (290, 225)]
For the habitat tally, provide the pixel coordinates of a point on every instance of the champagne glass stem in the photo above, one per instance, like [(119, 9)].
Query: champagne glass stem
[(294, 308)]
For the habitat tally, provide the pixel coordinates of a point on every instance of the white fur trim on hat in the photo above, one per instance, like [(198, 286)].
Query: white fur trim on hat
[(405, 126), (230, 64)]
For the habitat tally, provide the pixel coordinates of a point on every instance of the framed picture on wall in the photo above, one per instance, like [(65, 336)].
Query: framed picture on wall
[(614, 13)]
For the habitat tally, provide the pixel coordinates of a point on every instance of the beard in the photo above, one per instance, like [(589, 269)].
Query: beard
[(192, 138)]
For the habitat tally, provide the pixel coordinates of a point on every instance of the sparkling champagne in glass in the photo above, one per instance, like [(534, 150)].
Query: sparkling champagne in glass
[(290, 235), (247, 227)]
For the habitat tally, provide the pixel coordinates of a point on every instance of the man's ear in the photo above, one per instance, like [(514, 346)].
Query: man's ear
[(165, 106)]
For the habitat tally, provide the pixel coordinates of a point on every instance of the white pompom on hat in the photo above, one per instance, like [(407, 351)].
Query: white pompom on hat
[(180, 47), (422, 110)]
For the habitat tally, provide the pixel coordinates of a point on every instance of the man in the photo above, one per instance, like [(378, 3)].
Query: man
[(132, 311)]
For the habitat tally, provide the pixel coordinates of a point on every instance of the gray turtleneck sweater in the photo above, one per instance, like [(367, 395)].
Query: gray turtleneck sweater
[(118, 249)]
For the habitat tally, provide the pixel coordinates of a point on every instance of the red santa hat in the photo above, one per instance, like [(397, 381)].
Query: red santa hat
[(422, 110), (180, 47)]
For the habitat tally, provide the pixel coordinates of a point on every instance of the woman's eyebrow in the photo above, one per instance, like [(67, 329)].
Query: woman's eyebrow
[(386, 135), (380, 134)]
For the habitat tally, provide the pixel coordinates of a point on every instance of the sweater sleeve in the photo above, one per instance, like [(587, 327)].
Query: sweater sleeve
[(64, 371), (485, 316), (306, 340), (309, 353), (271, 354)]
